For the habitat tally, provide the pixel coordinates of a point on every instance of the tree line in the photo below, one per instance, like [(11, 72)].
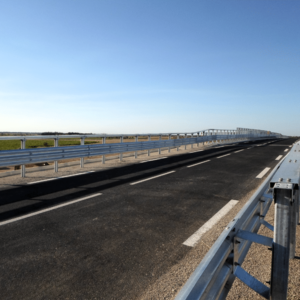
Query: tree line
[(62, 133)]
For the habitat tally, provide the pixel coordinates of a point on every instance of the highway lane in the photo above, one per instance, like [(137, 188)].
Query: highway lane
[(114, 245), (66, 189)]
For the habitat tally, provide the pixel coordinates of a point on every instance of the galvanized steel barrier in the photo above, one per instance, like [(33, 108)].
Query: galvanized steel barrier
[(25, 156), (216, 273)]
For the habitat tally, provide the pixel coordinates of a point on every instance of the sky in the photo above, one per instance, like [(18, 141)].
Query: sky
[(149, 66)]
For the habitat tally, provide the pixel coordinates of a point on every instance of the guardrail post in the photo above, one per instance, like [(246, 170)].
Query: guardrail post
[(192, 136), (198, 139), (121, 154), (294, 223), (283, 194), (103, 156), (185, 136), (135, 153), (23, 168), (169, 147), (56, 162), (203, 137), (149, 139), (159, 149), (82, 158), (298, 208), (177, 139)]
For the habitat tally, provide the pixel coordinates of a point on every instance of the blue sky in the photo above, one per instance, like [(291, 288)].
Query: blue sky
[(137, 66)]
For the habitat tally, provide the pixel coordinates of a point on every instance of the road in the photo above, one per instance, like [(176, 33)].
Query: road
[(111, 234)]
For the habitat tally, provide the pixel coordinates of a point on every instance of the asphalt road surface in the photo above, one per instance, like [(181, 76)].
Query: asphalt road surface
[(110, 234)]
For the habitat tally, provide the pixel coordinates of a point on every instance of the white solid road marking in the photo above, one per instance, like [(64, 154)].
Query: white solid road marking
[(152, 159), (75, 174), (195, 238), (238, 151), (50, 179), (47, 209), (41, 180), (286, 150), (223, 155), (202, 162), (197, 151), (278, 158), (151, 178), (263, 173)]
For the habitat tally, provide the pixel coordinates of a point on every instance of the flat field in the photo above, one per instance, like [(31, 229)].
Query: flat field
[(43, 143), (16, 144)]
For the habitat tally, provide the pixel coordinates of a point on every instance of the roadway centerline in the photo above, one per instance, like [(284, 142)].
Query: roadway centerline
[(286, 150), (50, 179), (263, 173), (152, 159), (202, 162), (195, 238), (223, 156), (279, 157), (133, 183), (48, 209)]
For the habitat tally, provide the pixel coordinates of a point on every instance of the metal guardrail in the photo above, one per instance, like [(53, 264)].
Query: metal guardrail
[(239, 130), (216, 273), (25, 156)]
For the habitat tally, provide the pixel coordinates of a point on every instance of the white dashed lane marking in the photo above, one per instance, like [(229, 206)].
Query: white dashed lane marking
[(263, 173), (223, 155), (202, 162), (239, 151), (151, 178), (48, 209)]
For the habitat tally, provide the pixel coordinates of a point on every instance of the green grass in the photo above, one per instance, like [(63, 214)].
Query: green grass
[(16, 144)]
